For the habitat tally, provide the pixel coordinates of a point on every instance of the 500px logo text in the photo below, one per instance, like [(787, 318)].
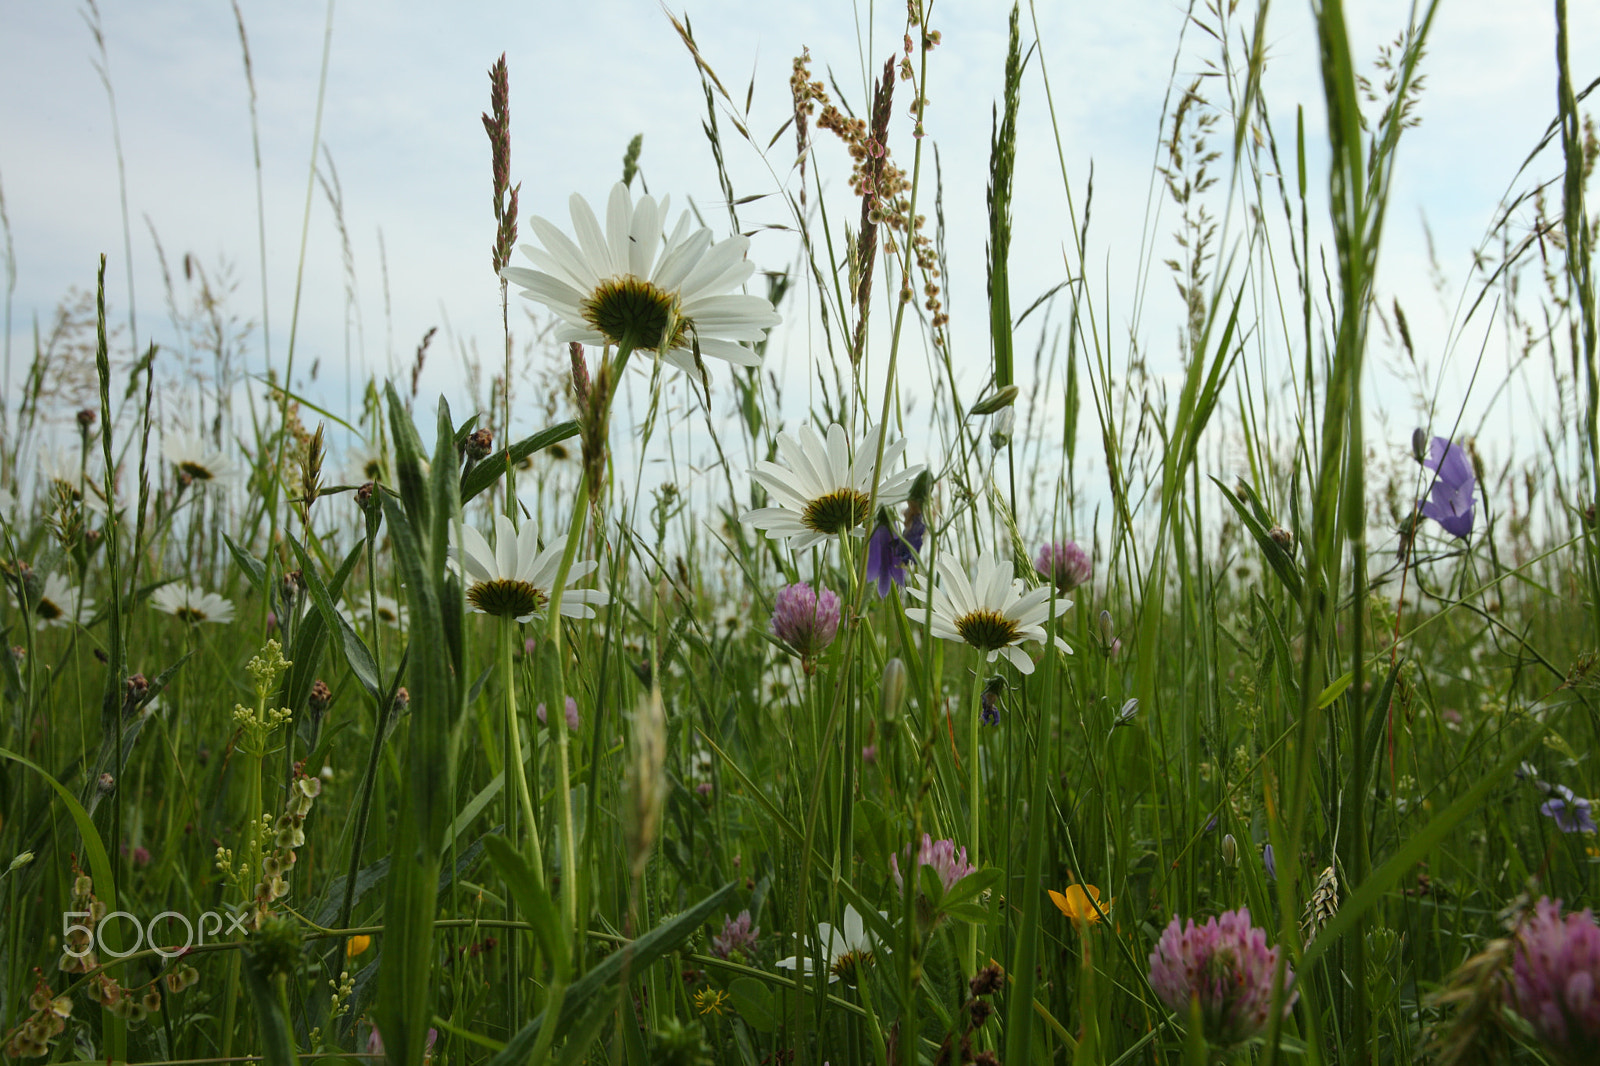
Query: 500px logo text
[(80, 940)]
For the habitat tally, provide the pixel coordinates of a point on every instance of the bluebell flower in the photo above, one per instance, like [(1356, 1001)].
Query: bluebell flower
[(1269, 861), (1572, 813), (889, 552), (1449, 501), (991, 699)]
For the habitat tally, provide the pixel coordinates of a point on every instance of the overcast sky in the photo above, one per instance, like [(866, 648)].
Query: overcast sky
[(407, 82)]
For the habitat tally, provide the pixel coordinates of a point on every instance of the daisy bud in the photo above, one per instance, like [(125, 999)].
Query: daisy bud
[(996, 401), (893, 691)]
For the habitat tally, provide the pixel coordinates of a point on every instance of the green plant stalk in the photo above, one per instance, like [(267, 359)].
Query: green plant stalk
[(555, 687), (513, 755), (974, 783)]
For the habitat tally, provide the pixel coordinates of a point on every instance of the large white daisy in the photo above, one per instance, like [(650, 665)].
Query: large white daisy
[(196, 460), (366, 462), (56, 603), (993, 610), (513, 579), (820, 491), (388, 610), (60, 473), (627, 281), (844, 951), (192, 605)]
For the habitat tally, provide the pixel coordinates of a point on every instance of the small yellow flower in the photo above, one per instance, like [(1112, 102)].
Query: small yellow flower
[(356, 945), (710, 1000), (1076, 904)]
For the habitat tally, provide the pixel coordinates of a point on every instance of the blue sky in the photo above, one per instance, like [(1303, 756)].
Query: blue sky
[(407, 82)]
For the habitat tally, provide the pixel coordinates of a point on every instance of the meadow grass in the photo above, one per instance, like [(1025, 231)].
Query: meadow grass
[(626, 792)]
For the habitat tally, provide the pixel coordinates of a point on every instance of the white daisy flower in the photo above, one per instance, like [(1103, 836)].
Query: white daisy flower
[(196, 459), (364, 463), (625, 282), (56, 603), (820, 492), (993, 610), (730, 620), (843, 950), (59, 471), (192, 605), (513, 579), (389, 611)]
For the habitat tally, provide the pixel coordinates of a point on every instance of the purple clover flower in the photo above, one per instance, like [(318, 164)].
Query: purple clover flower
[(1065, 564), (1449, 501), (738, 936), (1555, 981), (1225, 965), (571, 713), (806, 621), (948, 861), (1572, 813)]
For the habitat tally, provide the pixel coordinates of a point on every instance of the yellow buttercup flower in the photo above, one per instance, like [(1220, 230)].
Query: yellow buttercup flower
[(1079, 903), (356, 945)]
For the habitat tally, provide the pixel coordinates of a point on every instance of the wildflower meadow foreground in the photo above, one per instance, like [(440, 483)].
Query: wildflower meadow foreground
[(935, 703)]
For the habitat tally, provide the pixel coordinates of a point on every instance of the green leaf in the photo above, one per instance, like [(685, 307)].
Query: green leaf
[(533, 901), (99, 864), (1367, 894), (753, 1001), (493, 468), (253, 568), (635, 957), (356, 653)]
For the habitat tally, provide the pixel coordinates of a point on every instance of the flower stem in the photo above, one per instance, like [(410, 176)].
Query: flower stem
[(974, 782), (513, 756)]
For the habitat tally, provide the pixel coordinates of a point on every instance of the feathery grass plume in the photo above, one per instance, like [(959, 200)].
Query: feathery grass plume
[(645, 782), (630, 159), (873, 172), (421, 358), (498, 126), (1322, 906), (1187, 175), (803, 92), (311, 472), (1002, 162)]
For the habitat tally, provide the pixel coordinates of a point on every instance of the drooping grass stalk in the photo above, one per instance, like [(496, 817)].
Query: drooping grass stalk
[(261, 204), (102, 67), (270, 490), (1580, 283)]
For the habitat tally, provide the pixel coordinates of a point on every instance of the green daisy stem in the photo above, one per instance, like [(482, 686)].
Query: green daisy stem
[(974, 782), (555, 689), (513, 756)]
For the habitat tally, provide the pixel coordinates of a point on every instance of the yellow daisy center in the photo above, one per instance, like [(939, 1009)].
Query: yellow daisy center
[(626, 306), (838, 512), (49, 610), (189, 614), (987, 629), (846, 966), (196, 471), (506, 597)]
